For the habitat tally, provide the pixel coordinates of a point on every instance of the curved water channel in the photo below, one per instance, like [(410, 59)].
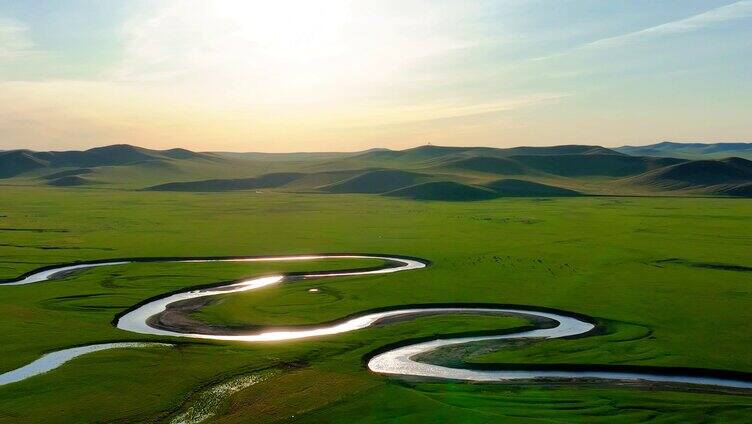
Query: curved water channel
[(148, 318)]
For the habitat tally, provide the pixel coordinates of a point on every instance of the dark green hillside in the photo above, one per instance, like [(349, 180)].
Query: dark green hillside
[(378, 181), (264, 181), (15, 162), (444, 190), (522, 188), (691, 150), (487, 164), (741, 190), (69, 181), (288, 180), (129, 166), (67, 173), (315, 180), (699, 173), (742, 165), (121, 154), (433, 155), (178, 153), (584, 168), (415, 155), (567, 149), (581, 165)]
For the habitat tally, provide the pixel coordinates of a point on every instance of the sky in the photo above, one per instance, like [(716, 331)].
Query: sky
[(338, 75)]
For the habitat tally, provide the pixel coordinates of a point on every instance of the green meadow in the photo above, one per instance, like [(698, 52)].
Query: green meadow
[(668, 279)]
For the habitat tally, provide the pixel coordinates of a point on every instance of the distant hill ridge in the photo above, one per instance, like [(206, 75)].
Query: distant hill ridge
[(719, 176), (15, 162), (426, 172), (690, 150), (566, 160), (431, 152), (392, 183)]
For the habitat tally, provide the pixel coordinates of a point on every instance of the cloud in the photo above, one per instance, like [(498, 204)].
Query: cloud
[(280, 75), (449, 110), (14, 40), (730, 12), (738, 10), (229, 73), (64, 114), (284, 48)]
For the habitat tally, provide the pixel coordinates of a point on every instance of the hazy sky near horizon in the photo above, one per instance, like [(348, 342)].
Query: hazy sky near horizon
[(349, 75)]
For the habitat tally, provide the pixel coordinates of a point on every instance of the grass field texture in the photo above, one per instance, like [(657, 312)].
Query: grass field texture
[(669, 279)]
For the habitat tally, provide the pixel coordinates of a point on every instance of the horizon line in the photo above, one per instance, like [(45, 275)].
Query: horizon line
[(379, 148)]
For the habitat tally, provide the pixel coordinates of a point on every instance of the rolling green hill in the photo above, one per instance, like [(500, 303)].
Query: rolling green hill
[(377, 181), (432, 154), (707, 176), (67, 173), (595, 164), (740, 190), (125, 166), (264, 181), (15, 162), (486, 164), (522, 188), (453, 191), (119, 154), (691, 150), (68, 181), (443, 190), (536, 171)]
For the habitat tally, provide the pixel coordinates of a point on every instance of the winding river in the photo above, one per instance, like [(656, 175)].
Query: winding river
[(167, 316)]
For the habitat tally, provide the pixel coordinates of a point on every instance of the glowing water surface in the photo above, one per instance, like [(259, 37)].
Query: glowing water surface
[(398, 361), (53, 360)]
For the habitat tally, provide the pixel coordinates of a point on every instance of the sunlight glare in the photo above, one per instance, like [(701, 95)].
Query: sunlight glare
[(288, 32)]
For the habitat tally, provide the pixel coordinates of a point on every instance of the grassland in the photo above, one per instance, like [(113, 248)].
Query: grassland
[(668, 277)]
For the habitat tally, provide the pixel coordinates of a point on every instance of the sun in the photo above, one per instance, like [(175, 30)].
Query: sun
[(287, 32)]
